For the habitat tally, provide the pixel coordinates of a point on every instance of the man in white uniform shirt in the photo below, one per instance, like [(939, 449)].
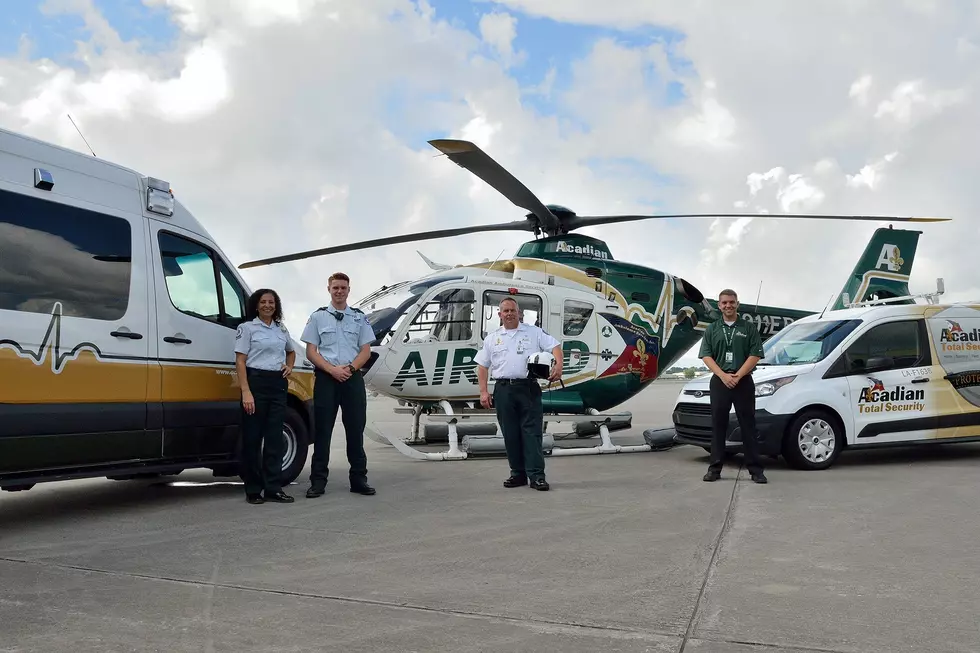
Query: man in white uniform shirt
[(517, 398)]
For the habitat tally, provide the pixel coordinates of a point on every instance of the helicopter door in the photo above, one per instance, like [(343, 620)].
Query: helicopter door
[(579, 340), (434, 357)]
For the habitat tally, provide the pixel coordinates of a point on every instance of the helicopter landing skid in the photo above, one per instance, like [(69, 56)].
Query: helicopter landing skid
[(474, 444)]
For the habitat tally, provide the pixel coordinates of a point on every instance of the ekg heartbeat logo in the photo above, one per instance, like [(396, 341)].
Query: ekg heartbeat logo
[(50, 347)]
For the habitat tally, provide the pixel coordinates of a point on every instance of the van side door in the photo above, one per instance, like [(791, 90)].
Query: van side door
[(199, 306), (955, 332), (891, 384), (74, 332)]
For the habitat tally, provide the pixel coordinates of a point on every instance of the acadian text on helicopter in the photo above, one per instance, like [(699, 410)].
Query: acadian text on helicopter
[(587, 250)]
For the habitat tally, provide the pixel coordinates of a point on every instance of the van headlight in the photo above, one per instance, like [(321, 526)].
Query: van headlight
[(767, 388)]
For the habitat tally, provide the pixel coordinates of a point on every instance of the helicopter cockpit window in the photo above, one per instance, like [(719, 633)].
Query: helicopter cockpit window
[(575, 317), (528, 305), (446, 317)]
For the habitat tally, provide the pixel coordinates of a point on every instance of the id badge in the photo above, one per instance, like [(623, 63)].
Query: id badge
[(729, 357)]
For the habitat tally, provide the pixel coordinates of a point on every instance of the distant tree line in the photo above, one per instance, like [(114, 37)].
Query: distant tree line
[(688, 372)]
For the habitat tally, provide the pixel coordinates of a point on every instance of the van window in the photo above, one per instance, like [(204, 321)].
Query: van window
[(806, 342), (191, 271), (576, 316), (896, 345), (52, 252)]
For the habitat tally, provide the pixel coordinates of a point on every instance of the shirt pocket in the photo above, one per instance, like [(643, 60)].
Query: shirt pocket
[(263, 339), (351, 331), (328, 335)]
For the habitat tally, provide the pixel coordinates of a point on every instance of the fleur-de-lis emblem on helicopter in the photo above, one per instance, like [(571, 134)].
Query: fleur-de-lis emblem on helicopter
[(641, 354), (896, 259)]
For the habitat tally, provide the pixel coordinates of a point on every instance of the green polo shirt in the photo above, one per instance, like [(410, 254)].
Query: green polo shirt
[(742, 339)]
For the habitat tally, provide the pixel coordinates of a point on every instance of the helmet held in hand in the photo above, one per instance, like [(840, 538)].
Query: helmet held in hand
[(540, 365)]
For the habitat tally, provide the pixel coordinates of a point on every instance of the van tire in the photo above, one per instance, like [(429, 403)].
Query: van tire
[(297, 445), (801, 455)]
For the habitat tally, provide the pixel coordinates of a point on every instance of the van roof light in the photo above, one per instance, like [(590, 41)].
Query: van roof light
[(43, 179), (158, 184), (159, 197)]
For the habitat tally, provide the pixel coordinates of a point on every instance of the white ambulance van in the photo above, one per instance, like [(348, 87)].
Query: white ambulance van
[(868, 376), (117, 328)]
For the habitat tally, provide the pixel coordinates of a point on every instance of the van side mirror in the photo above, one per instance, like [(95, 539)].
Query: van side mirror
[(876, 363)]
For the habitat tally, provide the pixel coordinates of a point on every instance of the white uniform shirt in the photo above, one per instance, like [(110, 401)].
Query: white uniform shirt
[(505, 351)]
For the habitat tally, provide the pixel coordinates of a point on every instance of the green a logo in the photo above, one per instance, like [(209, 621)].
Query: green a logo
[(581, 352)]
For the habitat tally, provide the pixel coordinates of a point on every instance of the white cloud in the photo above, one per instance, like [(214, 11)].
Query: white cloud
[(859, 89), (498, 30), (870, 175), (909, 100)]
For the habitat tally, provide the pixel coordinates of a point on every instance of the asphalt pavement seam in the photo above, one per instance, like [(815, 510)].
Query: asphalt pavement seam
[(725, 526), (783, 647), (210, 586)]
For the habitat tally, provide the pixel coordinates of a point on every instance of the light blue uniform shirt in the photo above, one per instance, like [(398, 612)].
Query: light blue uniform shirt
[(505, 351), (338, 341), (265, 345)]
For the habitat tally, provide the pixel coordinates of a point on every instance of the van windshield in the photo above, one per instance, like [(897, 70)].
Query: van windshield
[(808, 342)]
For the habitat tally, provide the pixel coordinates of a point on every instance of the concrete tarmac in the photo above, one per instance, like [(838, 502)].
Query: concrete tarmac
[(629, 552)]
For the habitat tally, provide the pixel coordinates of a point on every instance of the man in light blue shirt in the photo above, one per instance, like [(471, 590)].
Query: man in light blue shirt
[(338, 342), (517, 398)]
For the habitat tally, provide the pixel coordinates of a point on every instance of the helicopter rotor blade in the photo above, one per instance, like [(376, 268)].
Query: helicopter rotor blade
[(470, 157), (579, 221), (520, 225)]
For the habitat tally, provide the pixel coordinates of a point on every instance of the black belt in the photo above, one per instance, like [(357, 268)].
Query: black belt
[(514, 381), (257, 372)]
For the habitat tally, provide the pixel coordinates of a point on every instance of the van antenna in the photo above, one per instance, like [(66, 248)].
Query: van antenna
[(825, 306), (757, 297), (490, 267), (83, 137)]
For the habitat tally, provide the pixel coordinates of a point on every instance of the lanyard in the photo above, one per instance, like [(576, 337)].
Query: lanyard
[(729, 340)]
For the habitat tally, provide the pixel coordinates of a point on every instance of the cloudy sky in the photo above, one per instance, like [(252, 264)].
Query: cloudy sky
[(291, 124)]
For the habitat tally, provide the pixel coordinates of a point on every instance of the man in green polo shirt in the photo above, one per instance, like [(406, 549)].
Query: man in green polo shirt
[(731, 348)]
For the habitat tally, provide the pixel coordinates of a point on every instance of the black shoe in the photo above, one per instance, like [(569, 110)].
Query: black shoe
[(540, 484), (710, 477), (760, 478), (279, 497), (515, 481), (254, 498), (364, 489), (314, 492)]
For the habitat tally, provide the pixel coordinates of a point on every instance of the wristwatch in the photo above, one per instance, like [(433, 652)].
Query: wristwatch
[(353, 370)]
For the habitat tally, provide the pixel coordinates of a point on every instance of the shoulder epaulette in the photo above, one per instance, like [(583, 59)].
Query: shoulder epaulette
[(356, 310), (322, 308)]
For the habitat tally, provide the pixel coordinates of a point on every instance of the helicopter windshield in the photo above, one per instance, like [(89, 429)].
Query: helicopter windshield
[(809, 342), (386, 307)]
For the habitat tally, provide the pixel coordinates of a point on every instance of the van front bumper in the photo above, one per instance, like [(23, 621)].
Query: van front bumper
[(692, 425)]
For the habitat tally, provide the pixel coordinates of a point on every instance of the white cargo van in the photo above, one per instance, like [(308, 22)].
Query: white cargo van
[(117, 328), (868, 376)]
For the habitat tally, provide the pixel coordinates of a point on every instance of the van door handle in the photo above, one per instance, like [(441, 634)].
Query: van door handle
[(127, 334), (920, 380), (178, 339)]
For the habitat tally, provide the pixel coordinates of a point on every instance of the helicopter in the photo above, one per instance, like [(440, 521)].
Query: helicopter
[(620, 324)]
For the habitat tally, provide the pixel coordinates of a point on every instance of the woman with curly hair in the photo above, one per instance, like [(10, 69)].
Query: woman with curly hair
[(264, 357)]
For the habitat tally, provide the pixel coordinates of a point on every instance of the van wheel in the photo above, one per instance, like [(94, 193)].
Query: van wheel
[(813, 441), (296, 445)]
